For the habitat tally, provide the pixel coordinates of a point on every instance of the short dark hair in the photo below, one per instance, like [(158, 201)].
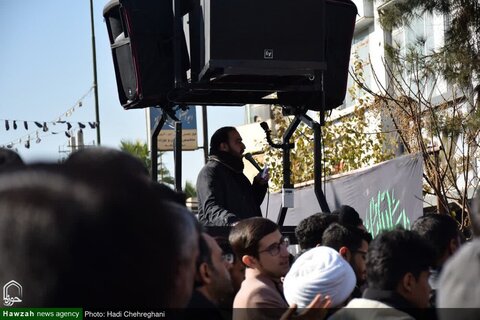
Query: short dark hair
[(246, 235), (438, 229), (220, 136), (10, 160), (204, 256), (225, 246), (103, 159), (337, 236), (394, 253), (310, 230), (348, 216), (57, 221)]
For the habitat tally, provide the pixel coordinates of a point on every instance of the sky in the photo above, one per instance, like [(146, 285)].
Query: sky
[(46, 75)]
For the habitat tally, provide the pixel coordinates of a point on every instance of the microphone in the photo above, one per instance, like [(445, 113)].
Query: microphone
[(268, 132), (265, 127), (249, 157)]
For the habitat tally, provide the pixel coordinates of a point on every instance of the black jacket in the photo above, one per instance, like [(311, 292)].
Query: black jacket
[(200, 307), (225, 194)]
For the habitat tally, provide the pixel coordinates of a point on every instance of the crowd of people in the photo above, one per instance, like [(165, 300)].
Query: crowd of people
[(96, 232)]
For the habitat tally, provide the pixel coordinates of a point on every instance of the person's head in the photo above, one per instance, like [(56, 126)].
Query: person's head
[(260, 245), (103, 159), (348, 216), (399, 260), (352, 244), (458, 295), (227, 139), (69, 239), (182, 255), (237, 268), (212, 276), (108, 169), (442, 232), (310, 230), (9, 160), (319, 270)]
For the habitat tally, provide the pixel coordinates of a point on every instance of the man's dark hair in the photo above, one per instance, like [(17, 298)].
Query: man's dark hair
[(225, 246), (438, 230), (310, 230), (394, 253), (107, 169), (246, 235), (348, 216), (10, 160), (220, 136), (69, 238), (204, 256), (103, 159), (337, 236)]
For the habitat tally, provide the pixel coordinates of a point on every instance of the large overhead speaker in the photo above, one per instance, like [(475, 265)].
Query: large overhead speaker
[(240, 51), (141, 40), (280, 46)]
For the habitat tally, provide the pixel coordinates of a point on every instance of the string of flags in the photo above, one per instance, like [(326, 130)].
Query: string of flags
[(43, 128), (44, 124)]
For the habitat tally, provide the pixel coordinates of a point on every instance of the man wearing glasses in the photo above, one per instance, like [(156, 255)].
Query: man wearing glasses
[(262, 248), (352, 244)]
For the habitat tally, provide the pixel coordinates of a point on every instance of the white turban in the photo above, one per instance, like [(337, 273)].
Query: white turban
[(319, 270)]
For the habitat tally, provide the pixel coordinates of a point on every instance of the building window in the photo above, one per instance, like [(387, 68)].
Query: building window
[(257, 113), (360, 50), (421, 37)]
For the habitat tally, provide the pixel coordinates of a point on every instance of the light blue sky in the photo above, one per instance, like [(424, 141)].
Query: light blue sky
[(46, 67)]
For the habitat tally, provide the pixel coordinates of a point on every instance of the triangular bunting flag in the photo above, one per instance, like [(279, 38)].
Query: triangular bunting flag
[(7, 126), (25, 124), (81, 125), (14, 124), (38, 124)]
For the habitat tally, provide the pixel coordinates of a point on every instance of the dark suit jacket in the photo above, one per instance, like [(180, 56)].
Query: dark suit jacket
[(226, 195)]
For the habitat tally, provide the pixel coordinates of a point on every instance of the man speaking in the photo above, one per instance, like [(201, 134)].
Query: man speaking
[(225, 195)]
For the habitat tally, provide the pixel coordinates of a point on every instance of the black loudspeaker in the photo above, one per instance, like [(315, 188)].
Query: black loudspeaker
[(141, 39), (340, 18), (280, 46)]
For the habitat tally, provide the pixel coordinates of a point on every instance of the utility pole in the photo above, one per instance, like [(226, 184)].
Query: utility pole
[(95, 83)]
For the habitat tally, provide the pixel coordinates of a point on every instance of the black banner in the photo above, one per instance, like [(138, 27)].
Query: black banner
[(384, 195)]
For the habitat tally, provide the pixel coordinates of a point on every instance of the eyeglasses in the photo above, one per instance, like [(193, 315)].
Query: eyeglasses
[(228, 257), (274, 249)]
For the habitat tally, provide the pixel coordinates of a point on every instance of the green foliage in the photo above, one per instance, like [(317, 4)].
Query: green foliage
[(190, 190), (347, 145), (140, 150), (443, 126)]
